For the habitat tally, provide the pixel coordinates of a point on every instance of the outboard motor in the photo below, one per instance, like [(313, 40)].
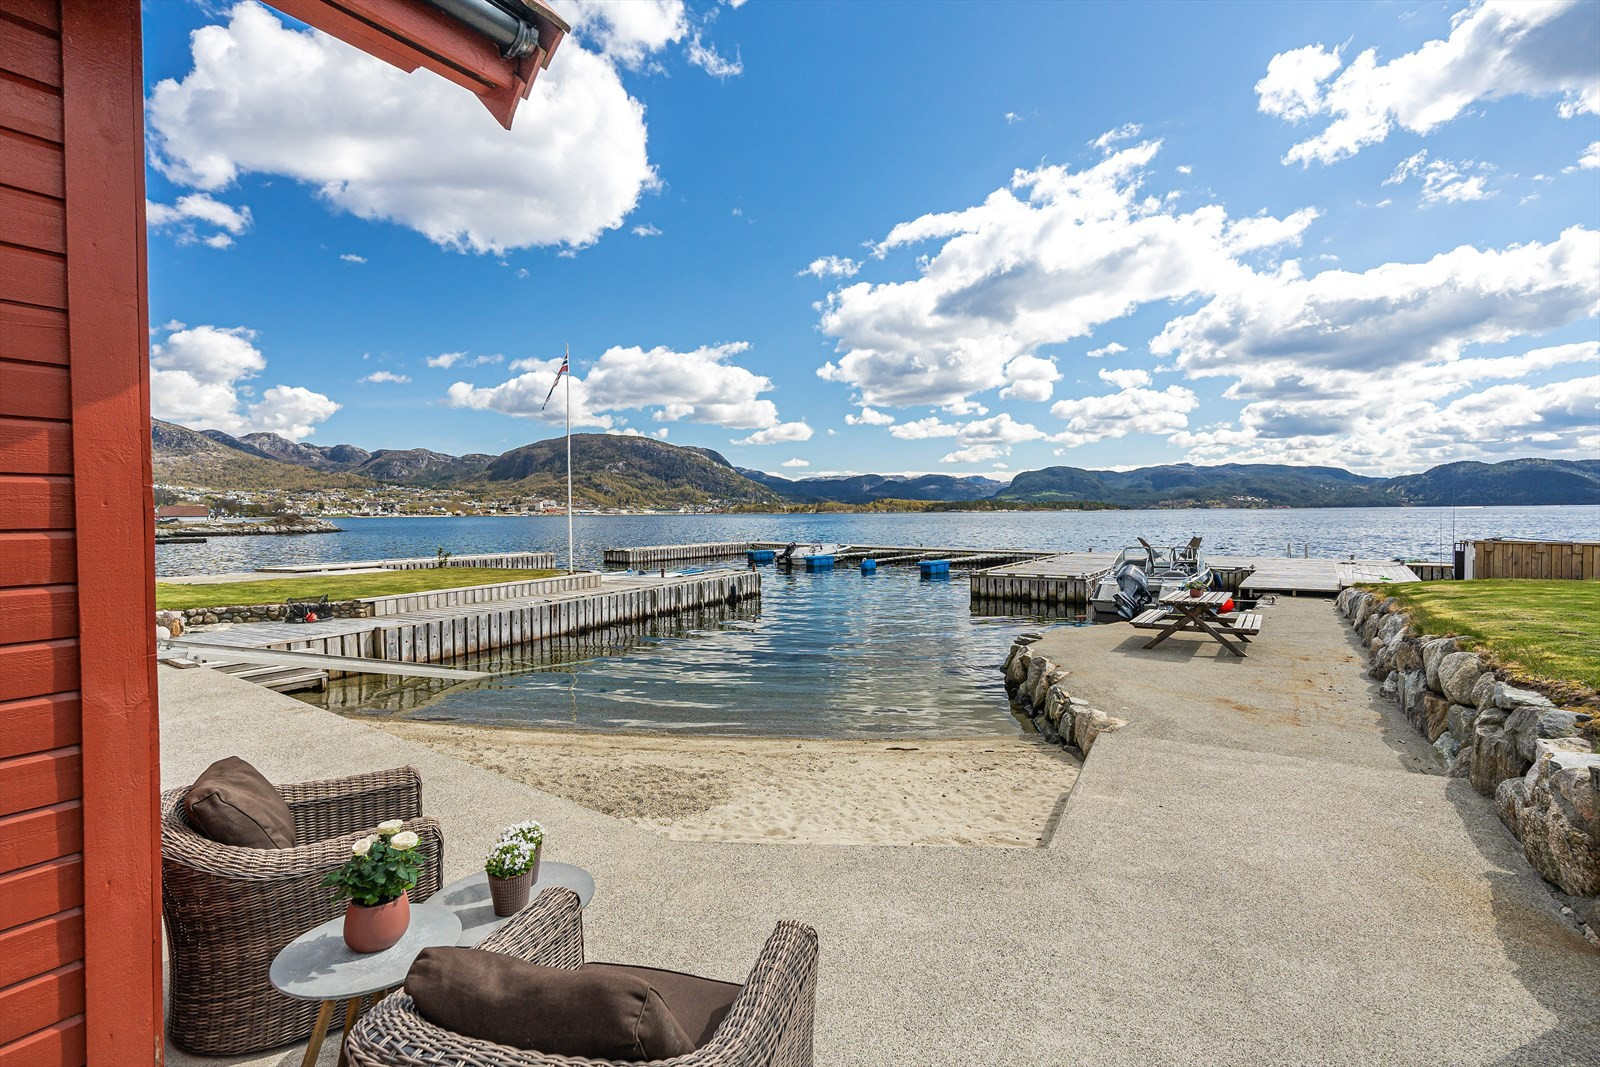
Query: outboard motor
[(1133, 592), (786, 557)]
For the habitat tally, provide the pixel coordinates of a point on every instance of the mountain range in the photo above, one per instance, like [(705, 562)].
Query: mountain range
[(611, 470)]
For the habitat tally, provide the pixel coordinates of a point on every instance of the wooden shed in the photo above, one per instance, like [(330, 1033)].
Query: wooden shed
[(80, 919)]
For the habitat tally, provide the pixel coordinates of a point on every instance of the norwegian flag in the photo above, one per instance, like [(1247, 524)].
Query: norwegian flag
[(565, 369)]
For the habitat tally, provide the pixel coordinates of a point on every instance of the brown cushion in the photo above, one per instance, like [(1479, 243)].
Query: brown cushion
[(600, 1012), (233, 805), (699, 1004)]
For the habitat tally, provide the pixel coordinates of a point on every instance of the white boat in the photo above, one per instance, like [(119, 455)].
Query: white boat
[(1142, 573)]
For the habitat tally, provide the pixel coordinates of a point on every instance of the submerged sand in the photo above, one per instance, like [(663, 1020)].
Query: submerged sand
[(1002, 791)]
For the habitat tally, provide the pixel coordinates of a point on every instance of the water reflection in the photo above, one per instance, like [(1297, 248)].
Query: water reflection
[(829, 654)]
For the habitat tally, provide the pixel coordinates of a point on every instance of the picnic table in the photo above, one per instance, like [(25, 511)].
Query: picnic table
[(1179, 611)]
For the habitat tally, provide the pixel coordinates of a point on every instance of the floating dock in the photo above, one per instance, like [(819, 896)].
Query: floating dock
[(531, 561), (1067, 579), (661, 555), (435, 634)]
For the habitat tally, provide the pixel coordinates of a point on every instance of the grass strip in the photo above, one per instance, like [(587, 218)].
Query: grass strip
[(1538, 631), (172, 597)]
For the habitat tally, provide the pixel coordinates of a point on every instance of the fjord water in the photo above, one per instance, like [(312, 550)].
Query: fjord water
[(834, 654)]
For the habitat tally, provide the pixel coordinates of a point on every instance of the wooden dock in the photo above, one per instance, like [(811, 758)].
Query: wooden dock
[(663, 555), (1067, 579), (442, 633), (532, 561), (912, 555)]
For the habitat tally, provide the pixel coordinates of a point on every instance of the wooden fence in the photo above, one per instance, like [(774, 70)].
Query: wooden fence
[(1574, 560)]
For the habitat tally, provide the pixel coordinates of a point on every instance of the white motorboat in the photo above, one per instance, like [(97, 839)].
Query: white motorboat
[(1142, 573)]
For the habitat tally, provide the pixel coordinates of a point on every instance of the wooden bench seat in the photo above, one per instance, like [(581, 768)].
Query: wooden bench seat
[(1245, 623), (1152, 619)]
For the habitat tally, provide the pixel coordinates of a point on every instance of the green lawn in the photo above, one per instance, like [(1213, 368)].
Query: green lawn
[(338, 587), (1539, 631)]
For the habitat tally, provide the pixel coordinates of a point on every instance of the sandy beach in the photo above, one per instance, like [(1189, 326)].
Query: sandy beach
[(979, 791)]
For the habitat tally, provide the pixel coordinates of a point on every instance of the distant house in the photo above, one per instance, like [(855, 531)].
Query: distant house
[(183, 512)]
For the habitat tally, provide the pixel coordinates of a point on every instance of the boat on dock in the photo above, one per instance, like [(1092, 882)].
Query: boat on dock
[(1142, 573)]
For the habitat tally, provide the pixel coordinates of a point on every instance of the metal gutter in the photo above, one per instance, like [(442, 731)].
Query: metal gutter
[(502, 22)]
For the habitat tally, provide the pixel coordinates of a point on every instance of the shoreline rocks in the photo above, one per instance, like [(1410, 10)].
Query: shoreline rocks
[(233, 613), (1513, 744), (1038, 688)]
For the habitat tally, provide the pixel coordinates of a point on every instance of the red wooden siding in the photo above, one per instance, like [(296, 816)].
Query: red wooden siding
[(79, 852)]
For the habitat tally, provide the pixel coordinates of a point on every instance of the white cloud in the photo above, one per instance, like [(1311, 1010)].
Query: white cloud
[(701, 385), (409, 148), (1368, 370), (1030, 378), (1126, 132), (706, 57), (1392, 318), (1496, 48), (1442, 180), (831, 267), (922, 429), (199, 208), (351, 257), (1132, 409), (198, 376), (1045, 260), (387, 376), (990, 438), (796, 462), (1590, 157), (1184, 168), (1111, 349), (784, 431), (869, 417), (450, 359), (1012, 117), (646, 230), (629, 431), (963, 408), (1130, 378), (626, 30)]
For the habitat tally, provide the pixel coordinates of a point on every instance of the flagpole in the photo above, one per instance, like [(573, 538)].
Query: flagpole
[(571, 567)]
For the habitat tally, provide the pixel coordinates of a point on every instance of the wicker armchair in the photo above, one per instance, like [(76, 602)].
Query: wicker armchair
[(229, 911), (770, 1024)]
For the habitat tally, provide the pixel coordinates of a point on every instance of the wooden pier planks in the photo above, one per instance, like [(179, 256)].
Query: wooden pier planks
[(658, 555), (531, 561), (443, 633)]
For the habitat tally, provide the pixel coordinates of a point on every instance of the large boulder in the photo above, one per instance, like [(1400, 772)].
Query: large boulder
[(1408, 654), (1032, 692), (1557, 812), (1483, 691), (1434, 717), (1432, 652), (1509, 696), (1458, 673), (1462, 718), (1531, 723), (1494, 752)]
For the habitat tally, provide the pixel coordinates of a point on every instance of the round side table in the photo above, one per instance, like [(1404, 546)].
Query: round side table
[(469, 898), (318, 965)]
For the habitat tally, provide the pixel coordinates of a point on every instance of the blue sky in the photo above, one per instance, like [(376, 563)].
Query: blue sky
[(890, 237)]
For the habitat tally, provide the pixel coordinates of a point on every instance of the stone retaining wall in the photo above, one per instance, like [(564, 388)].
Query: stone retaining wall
[(1512, 744), (1038, 687), (336, 609)]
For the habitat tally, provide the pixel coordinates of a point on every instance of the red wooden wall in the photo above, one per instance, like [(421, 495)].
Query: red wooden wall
[(79, 849)]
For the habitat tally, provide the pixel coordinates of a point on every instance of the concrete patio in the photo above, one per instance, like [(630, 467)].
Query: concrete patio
[(1252, 871)]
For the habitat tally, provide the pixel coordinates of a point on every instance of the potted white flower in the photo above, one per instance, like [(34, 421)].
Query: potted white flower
[(513, 866), (383, 867)]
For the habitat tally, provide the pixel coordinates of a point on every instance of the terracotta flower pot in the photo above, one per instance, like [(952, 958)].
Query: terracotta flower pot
[(377, 928), (1196, 592)]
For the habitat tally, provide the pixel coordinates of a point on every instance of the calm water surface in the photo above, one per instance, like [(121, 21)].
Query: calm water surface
[(834, 654)]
